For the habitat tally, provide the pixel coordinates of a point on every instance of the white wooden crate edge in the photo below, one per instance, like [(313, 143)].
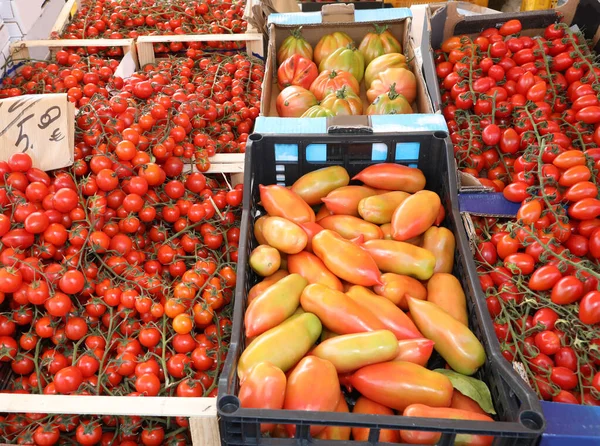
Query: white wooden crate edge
[(20, 49), (202, 412)]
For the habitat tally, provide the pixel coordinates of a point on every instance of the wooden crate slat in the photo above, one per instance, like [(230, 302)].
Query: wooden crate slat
[(109, 405)]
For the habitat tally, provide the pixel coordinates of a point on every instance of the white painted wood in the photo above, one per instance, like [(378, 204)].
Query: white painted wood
[(109, 405)]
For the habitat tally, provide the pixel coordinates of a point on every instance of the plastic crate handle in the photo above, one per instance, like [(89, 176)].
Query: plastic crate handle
[(357, 124)]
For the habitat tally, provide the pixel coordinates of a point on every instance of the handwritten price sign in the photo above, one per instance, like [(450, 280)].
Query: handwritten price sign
[(42, 126)]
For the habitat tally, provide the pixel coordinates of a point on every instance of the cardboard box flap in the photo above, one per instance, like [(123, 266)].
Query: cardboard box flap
[(493, 204), (341, 13), (363, 15)]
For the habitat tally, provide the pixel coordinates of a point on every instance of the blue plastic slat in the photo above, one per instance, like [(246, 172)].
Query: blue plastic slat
[(381, 124), (487, 204), (380, 152), (290, 126), (409, 123), (286, 152), (407, 151), (316, 153), (570, 425)]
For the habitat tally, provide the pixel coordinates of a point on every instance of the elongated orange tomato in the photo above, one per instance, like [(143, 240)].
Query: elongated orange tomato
[(313, 385), (285, 235), (453, 340), (283, 346), (353, 351), (379, 209), (463, 402), (366, 406), (274, 305), (424, 411), (392, 176), (441, 243), (311, 230), (322, 213), (398, 384), (337, 311), (260, 287), (337, 432), (345, 259), (401, 258), (387, 231), (392, 317), (351, 227), (415, 215), (313, 270), (396, 287), (446, 292), (279, 201), (264, 388), (315, 185), (258, 230), (344, 200), (417, 351)]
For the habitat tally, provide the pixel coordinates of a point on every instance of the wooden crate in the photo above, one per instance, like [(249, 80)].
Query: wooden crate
[(253, 39), (20, 50), (202, 412), (145, 44)]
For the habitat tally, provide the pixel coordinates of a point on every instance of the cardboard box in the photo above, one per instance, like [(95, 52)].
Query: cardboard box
[(22, 13), (356, 24)]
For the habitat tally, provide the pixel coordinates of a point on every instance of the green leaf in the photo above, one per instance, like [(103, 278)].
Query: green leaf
[(473, 388)]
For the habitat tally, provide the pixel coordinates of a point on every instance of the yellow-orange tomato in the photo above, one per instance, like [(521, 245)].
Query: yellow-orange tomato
[(351, 227), (446, 292), (441, 243), (337, 432), (258, 230), (311, 230), (401, 258), (366, 406), (415, 215), (265, 260), (344, 200), (182, 323), (417, 351), (313, 186), (264, 388), (313, 269), (396, 287), (323, 212), (345, 259), (379, 209), (387, 231), (284, 235), (313, 385), (392, 317), (391, 176), (174, 307), (260, 287), (279, 201), (274, 305), (423, 411)]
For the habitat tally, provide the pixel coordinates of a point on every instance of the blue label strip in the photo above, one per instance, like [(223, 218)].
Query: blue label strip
[(487, 204)]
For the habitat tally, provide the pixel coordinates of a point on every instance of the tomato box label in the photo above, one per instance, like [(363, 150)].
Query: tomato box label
[(40, 125)]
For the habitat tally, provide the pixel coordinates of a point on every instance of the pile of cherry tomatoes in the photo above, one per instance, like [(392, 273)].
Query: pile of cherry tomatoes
[(117, 273), (524, 117), (109, 19)]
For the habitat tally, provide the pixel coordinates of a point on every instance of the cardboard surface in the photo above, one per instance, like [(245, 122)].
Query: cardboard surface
[(316, 25), (42, 126)]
